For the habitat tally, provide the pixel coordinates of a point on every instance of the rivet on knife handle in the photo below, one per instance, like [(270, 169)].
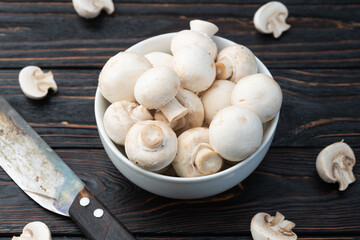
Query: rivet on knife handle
[(95, 220)]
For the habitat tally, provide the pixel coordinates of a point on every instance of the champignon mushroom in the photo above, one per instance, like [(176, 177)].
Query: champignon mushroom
[(271, 18), (34, 83), (235, 133), (195, 156), (92, 8), (35, 231), (265, 227), (160, 59), (119, 75), (217, 97), (335, 164), (235, 62), (175, 125), (151, 145), (259, 93), (195, 67), (120, 116), (195, 116), (204, 27), (156, 89), (200, 35)]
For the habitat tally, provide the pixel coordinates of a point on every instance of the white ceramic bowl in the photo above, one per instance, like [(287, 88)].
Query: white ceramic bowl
[(177, 187)]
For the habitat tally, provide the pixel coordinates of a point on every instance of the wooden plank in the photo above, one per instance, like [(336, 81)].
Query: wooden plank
[(285, 181), (319, 107), (316, 38)]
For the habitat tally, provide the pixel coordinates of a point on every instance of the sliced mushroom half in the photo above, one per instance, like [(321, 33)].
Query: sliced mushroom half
[(335, 164), (265, 227), (35, 231), (34, 83), (92, 8)]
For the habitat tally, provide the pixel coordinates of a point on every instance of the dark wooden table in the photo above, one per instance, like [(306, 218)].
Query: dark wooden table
[(316, 63)]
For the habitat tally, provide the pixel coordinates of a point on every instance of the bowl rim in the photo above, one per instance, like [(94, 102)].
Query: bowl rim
[(270, 132)]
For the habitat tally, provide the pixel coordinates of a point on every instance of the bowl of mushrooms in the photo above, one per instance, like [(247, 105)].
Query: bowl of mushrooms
[(186, 115)]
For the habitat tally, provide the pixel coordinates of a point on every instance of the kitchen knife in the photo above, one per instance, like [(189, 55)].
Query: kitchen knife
[(42, 175)]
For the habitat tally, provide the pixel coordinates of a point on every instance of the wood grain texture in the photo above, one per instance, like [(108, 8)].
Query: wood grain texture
[(285, 181), (51, 34), (319, 107)]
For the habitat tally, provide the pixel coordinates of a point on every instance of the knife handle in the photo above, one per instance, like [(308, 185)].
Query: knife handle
[(95, 220)]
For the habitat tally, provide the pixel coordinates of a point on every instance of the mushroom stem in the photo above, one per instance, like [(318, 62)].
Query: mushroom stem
[(207, 160), (173, 110), (223, 69), (107, 5), (151, 136), (343, 172), (45, 81), (278, 26)]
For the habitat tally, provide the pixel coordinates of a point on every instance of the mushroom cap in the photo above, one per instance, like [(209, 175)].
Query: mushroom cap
[(119, 75), (217, 97), (160, 59), (190, 143), (242, 61), (91, 9), (34, 83), (235, 133), (156, 87), (187, 38), (326, 159), (35, 231), (195, 67), (270, 10), (264, 227), (259, 93), (204, 27), (195, 115), (151, 145), (120, 116)]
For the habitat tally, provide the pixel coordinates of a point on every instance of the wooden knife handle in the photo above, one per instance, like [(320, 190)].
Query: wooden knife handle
[(95, 220)]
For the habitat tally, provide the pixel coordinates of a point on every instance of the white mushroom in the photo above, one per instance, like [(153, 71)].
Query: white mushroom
[(265, 227), (35, 231), (217, 97), (199, 35), (195, 68), (92, 8), (160, 59), (195, 156), (271, 18), (259, 93), (235, 62), (120, 116), (175, 125), (335, 164), (156, 89), (204, 27), (119, 75), (151, 145), (235, 133), (195, 116), (34, 83)]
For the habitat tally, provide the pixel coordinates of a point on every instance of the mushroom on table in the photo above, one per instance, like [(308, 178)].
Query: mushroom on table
[(271, 18), (34, 83), (35, 231), (335, 163), (265, 227), (92, 8)]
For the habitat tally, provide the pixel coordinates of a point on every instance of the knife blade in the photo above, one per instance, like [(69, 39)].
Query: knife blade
[(44, 177)]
